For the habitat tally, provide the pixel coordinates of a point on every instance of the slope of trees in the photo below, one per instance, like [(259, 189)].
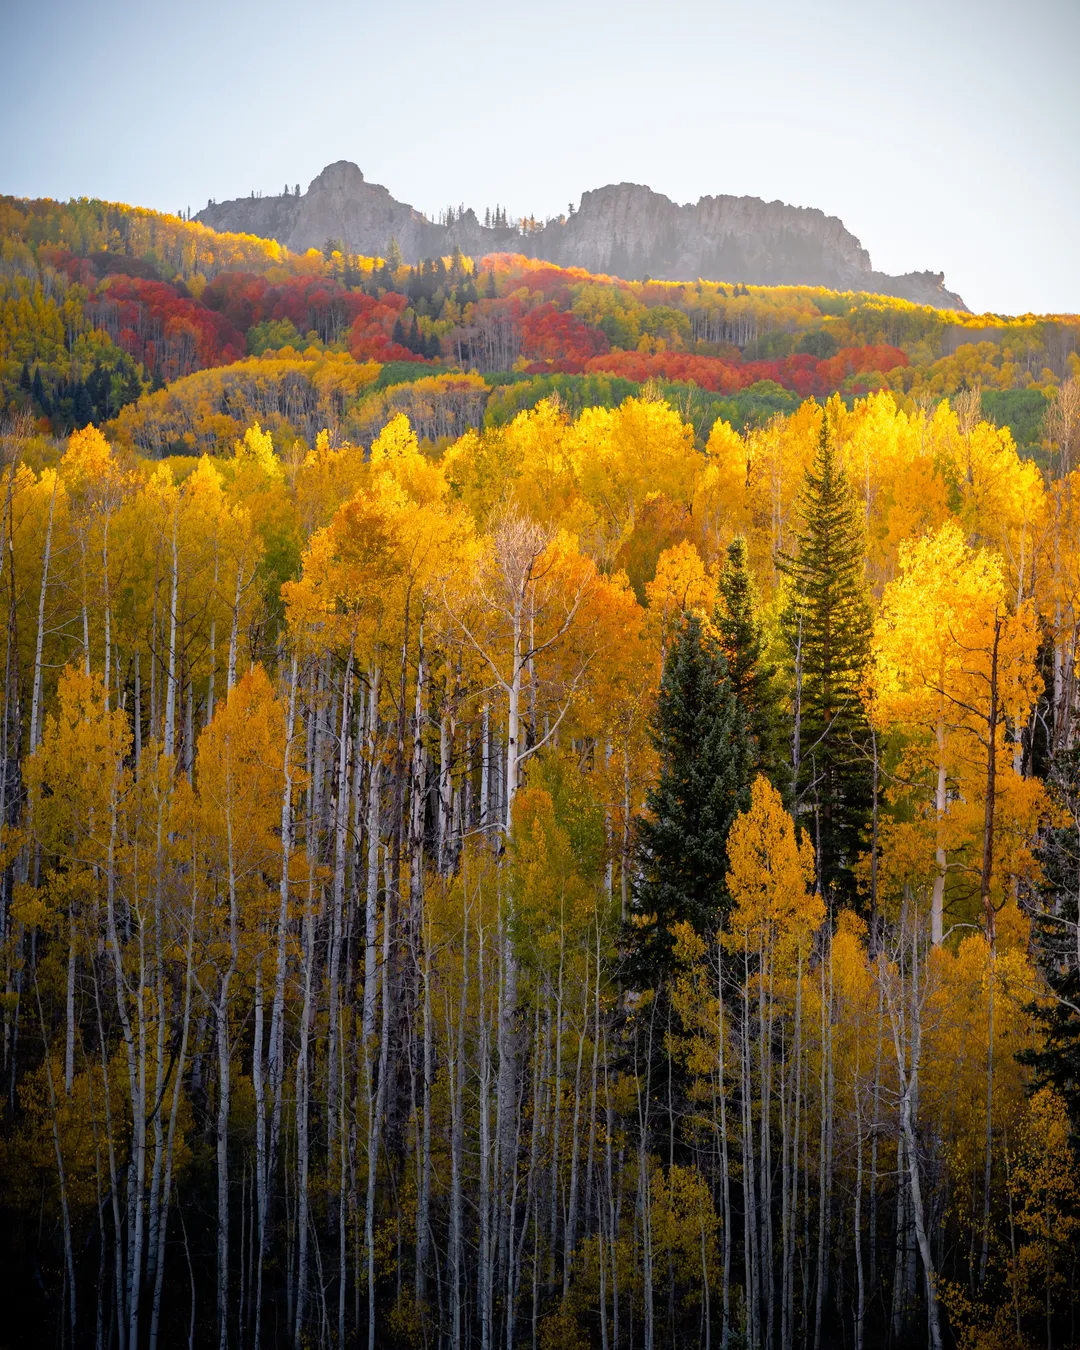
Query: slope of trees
[(419, 924), (99, 301)]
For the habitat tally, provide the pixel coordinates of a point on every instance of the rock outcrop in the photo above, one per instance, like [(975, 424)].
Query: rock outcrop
[(624, 230)]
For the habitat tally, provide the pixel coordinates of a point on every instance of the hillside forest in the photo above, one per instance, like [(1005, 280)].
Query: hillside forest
[(535, 810)]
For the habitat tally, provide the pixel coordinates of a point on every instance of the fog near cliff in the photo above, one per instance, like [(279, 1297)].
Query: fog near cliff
[(943, 134)]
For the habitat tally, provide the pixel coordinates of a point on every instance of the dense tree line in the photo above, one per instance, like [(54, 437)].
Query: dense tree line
[(570, 889), (101, 303)]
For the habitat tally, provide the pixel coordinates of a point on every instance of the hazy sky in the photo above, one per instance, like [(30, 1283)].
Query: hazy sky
[(944, 133)]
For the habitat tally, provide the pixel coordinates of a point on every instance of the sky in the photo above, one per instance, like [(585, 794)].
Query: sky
[(944, 133)]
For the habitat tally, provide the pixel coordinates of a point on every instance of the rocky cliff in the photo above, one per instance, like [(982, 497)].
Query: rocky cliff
[(624, 229)]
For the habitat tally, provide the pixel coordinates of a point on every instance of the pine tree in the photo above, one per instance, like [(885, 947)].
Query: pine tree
[(706, 766), (394, 260), (1056, 1060), (82, 409), (828, 624), (37, 390), (751, 678)]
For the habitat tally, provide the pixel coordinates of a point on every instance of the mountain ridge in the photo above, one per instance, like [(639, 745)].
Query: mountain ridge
[(621, 229)]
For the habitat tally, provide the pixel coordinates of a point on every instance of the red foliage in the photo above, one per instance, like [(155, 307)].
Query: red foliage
[(548, 334), (370, 337), (804, 375), (169, 332), (311, 304), (63, 260)]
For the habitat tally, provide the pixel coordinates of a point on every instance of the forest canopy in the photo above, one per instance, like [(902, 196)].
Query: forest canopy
[(536, 809)]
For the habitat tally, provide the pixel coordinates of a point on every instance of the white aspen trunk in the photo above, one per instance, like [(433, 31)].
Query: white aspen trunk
[(155, 1246), (446, 794), (984, 1255), (612, 1203), (225, 1092), (374, 1125), (423, 1204), (507, 1081), (646, 1245), (513, 731), (455, 1039), (786, 1109), (484, 1272), (170, 694), (765, 1032), (878, 1031), (592, 1181), (371, 910), (134, 1042), (417, 800), (303, 1092), (556, 1113), (114, 1187), (789, 1293), (822, 1255), (485, 768), (138, 713), (234, 632), (258, 1085), (860, 1281), (725, 1170), (751, 1247), (69, 1037), (921, 1235), (624, 873), (937, 899), (213, 673), (189, 735), (35, 704), (181, 1060), (276, 1048), (570, 1235), (108, 609), (909, 1079), (337, 912), (65, 1212), (85, 606)]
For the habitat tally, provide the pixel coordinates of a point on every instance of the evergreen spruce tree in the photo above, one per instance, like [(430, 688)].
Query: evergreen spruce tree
[(827, 624), (750, 676), (706, 766), (82, 409), (37, 390), (1056, 938), (394, 260)]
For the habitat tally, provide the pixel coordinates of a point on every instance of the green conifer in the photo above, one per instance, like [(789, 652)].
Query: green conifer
[(706, 765), (1056, 1055), (394, 259), (827, 625), (751, 677)]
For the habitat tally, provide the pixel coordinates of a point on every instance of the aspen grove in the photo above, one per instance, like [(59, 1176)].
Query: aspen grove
[(552, 886)]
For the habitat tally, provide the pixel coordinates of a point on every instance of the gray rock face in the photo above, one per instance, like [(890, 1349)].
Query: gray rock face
[(624, 230)]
